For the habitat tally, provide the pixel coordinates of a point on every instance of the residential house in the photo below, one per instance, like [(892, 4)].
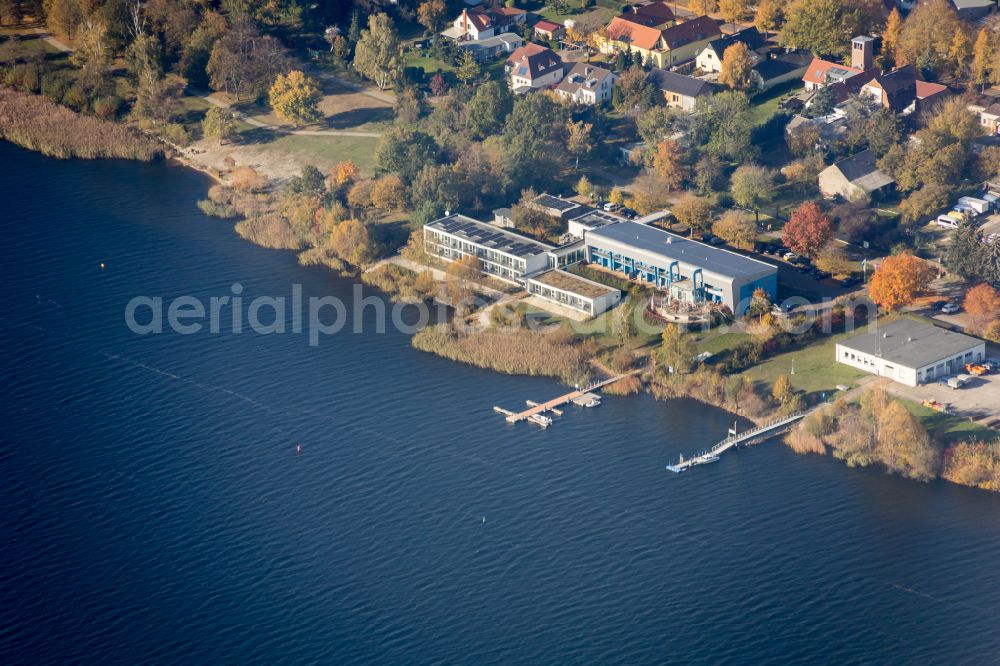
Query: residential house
[(901, 90), (973, 10), (855, 176), (822, 73), (709, 59), (678, 90), (587, 84), (779, 68), (533, 67), (482, 23), (660, 47), (491, 48), (989, 117), (549, 30)]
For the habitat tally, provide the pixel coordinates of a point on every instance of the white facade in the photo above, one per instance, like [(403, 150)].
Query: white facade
[(911, 353), (550, 78), (573, 291)]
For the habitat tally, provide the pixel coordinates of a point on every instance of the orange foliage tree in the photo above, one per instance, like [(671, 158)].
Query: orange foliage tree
[(982, 302), (898, 280), (808, 230)]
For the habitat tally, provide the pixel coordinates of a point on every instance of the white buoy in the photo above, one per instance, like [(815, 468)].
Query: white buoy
[(484, 519)]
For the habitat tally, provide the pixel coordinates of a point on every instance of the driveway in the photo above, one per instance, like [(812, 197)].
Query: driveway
[(979, 400)]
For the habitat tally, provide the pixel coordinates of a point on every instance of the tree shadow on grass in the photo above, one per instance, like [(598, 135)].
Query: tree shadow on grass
[(355, 117)]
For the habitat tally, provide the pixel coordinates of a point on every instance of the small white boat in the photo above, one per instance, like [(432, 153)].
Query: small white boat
[(709, 459), (541, 420)]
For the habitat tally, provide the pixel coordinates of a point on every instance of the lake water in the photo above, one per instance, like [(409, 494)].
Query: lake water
[(154, 506)]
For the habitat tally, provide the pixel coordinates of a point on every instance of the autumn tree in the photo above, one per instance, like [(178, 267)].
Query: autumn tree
[(350, 241), (693, 211), (243, 61), (826, 27), (732, 10), (736, 228), (295, 97), (768, 16), (736, 67), (461, 279), (703, 7), (468, 68), (676, 351), (246, 179), (343, 173), (890, 37), (648, 193), (808, 230), (579, 141), (389, 193), (377, 54), (724, 123), (983, 57), (959, 51), (927, 35), (431, 15), (982, 302), (898, 280), (219, 124), (584, 187), (782, 390), (668, 164), (752, 187), (637, 91)]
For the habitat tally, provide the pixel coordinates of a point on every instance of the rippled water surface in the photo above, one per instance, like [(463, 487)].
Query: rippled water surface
[(154, 507)]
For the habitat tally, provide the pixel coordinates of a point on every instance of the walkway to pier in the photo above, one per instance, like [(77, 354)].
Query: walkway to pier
[(767, 429), (551, 405)]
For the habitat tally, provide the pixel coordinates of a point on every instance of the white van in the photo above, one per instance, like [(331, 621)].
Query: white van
[(947, 222)]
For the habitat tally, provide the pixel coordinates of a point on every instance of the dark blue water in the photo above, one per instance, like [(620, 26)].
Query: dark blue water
[(153, 506)]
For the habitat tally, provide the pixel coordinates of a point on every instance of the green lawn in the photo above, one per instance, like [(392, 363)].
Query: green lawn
[(328, 150), (816, 370), (763, 106), (603, 14), (948, 429), (721, 343)]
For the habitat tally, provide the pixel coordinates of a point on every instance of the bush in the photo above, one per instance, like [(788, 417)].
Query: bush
[(25, 77), (75, 98), (106, 107), (213, 209), (175, 133), (271, 231), (55, 85)]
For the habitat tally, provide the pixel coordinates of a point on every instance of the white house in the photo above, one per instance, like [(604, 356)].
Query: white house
[(587, 84)]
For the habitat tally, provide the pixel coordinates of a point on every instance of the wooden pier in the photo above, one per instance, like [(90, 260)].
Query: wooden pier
[(536, 409), (735, 439)]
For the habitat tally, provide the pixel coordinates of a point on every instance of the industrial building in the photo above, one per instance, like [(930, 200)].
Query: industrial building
[(910, 352), (692, 272)]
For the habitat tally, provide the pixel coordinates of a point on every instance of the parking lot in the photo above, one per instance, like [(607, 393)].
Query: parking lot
[(979, 400)]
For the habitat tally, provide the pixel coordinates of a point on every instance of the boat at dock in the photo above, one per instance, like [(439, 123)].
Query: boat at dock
[(541, 420)]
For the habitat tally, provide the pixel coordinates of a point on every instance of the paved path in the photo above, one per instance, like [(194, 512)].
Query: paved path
[(52, 40), (374, 93)]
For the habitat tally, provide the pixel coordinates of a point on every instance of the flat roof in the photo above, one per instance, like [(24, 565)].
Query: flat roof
[(489, 236), (555, 203), (911, 343), (594, 218), (672, 247), (575, 284)]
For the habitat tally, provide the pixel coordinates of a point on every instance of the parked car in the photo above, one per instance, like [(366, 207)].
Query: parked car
[(820, 274), (788, 256), (610, 207), (959, 381), (715, 240), (849, 282), (950, 308)]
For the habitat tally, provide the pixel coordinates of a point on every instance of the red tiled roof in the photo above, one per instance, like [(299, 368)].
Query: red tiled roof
[(816, 72), (528, 49), (926, 89), (622, 30), (479, 19), (657, 10), (547, 26), (533, 65)]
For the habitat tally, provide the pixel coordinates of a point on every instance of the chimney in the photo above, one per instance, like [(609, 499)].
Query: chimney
[(465, 24), (862, 53)]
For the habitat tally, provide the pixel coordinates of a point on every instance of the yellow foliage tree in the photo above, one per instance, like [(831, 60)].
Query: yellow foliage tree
[(898, 280), (295, 97)]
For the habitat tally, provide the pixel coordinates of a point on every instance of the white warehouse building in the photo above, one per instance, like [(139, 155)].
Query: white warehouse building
[(910, 352)]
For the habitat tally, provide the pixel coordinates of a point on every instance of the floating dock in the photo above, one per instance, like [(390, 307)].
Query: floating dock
[(735, 439), (585, 396)]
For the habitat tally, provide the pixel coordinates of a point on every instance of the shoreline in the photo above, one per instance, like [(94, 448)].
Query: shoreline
[(174, 159)]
